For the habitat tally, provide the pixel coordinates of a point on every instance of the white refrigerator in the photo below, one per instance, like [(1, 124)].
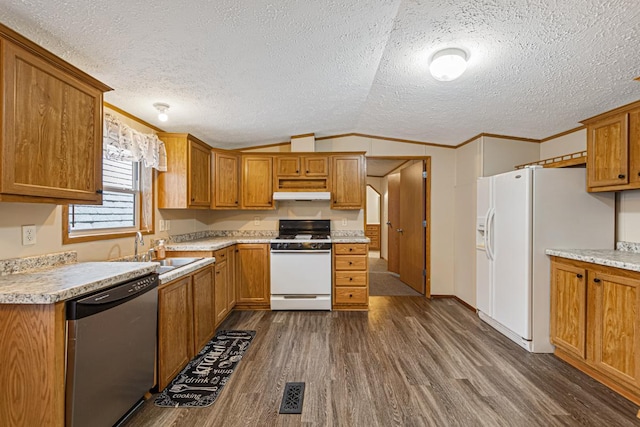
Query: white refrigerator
[(520, 214)]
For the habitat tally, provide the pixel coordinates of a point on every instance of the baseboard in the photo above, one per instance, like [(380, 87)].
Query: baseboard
[(468, 306)]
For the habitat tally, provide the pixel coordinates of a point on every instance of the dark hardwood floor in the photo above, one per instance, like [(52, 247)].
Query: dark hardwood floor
[(407, 362)]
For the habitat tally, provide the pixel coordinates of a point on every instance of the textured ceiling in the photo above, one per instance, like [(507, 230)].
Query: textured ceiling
[(250, 72)]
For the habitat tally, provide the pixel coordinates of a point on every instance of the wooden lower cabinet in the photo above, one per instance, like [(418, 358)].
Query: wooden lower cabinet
[(204, 318), (372, 231), (175, 329), (222, 285), (252, 276), (595, 322), (186, 321), (350, 276), (32, 350)]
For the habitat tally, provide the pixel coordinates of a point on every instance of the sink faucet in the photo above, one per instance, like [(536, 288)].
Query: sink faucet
[(136, 240)]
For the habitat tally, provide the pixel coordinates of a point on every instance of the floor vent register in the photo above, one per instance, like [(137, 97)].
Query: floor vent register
[(292, 398)]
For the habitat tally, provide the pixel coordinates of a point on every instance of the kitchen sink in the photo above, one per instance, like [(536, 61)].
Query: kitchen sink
[(169, 264), (176, 262)]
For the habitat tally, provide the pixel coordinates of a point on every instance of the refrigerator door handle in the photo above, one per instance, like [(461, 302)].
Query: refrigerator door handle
[(485, 237), (489, 233)]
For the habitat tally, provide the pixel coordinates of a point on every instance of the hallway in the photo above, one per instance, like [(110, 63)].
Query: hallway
[(384, 283)]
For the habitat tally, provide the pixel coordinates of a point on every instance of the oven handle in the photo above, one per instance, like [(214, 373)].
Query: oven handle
[(301, 251)]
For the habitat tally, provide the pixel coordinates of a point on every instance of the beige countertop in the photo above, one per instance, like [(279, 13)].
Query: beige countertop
[(625, 260), (215, 243)]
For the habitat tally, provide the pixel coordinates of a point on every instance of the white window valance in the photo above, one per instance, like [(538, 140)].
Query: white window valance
[(121, 142)]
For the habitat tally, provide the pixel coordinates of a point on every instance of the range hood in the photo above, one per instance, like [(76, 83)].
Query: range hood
[(302, 195)]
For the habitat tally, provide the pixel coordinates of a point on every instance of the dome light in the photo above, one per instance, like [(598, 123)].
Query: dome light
[(448, 64), (162, 111)]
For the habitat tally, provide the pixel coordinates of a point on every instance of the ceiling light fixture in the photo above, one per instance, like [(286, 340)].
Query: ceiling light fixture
[(448, 64), (162, 109)]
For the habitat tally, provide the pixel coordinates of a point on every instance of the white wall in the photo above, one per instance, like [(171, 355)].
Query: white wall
[(567, 144), (628, 202), (502, 155), (374, 202), (468, 165)]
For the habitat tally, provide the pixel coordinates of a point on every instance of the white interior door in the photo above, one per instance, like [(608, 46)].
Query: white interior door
[(511, 244)]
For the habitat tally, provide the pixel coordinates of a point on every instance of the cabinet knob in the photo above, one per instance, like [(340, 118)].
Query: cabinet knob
[(350, 249), (99, 191), (307, 172), (236, 202), (621, 176), (350, 263), (596, 280), (350, 279), (579, 276), (217, 272), (638, 173), (193, 199), (297, 171), (350, 295)]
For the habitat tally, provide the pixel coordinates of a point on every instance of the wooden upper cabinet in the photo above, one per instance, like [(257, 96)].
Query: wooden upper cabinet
[(257, 182), (348, 182), (613, 149), (288, 166), (51, 133), (309, 172), (634, 148), (226, 182), (316, 166), (187, 181), (569, 308), (607, 145), (616, 326)]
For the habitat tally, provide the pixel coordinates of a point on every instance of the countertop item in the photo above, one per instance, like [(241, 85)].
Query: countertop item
[(613, 258), (68, 281)]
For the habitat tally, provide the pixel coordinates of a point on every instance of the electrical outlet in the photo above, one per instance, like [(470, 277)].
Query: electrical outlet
[(344, 221), (167, 225), (162, 225), (256, 220), (28, 235)]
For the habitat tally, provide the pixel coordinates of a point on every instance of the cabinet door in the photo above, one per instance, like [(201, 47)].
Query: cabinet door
[(634, 146), (348, 182), (175, 329), (257, 182), (568, 308), (222, 284), (226, 194), (231, 294), (51, 131), (316, 166), (204, 322), (252, 274), (616, 326), (199, 175), (607, 144), (288, 166)]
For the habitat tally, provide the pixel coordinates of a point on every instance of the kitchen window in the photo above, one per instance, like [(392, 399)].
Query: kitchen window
[(129, 157), (127, 205)]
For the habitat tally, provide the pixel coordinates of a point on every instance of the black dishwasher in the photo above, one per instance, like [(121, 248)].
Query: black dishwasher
[(111, 341)]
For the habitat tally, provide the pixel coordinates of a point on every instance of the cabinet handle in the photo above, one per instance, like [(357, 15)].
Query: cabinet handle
[(621, 176), (596, 280), (99, 191), (579, 276)]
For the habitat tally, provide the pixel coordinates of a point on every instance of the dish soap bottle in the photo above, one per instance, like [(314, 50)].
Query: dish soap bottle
[(160, 250)]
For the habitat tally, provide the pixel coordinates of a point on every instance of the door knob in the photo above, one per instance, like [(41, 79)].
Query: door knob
[(399, 230), (389, 222)]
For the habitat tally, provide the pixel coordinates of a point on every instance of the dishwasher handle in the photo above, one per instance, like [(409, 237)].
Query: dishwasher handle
[(86, 306)]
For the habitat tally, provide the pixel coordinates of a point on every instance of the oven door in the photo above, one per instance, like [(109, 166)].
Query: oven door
[(301, 272)]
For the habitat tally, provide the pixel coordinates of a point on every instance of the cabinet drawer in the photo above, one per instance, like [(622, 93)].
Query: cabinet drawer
[(351, 249), (351, 295), (220, 255), (351, 278), (357, 262)]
